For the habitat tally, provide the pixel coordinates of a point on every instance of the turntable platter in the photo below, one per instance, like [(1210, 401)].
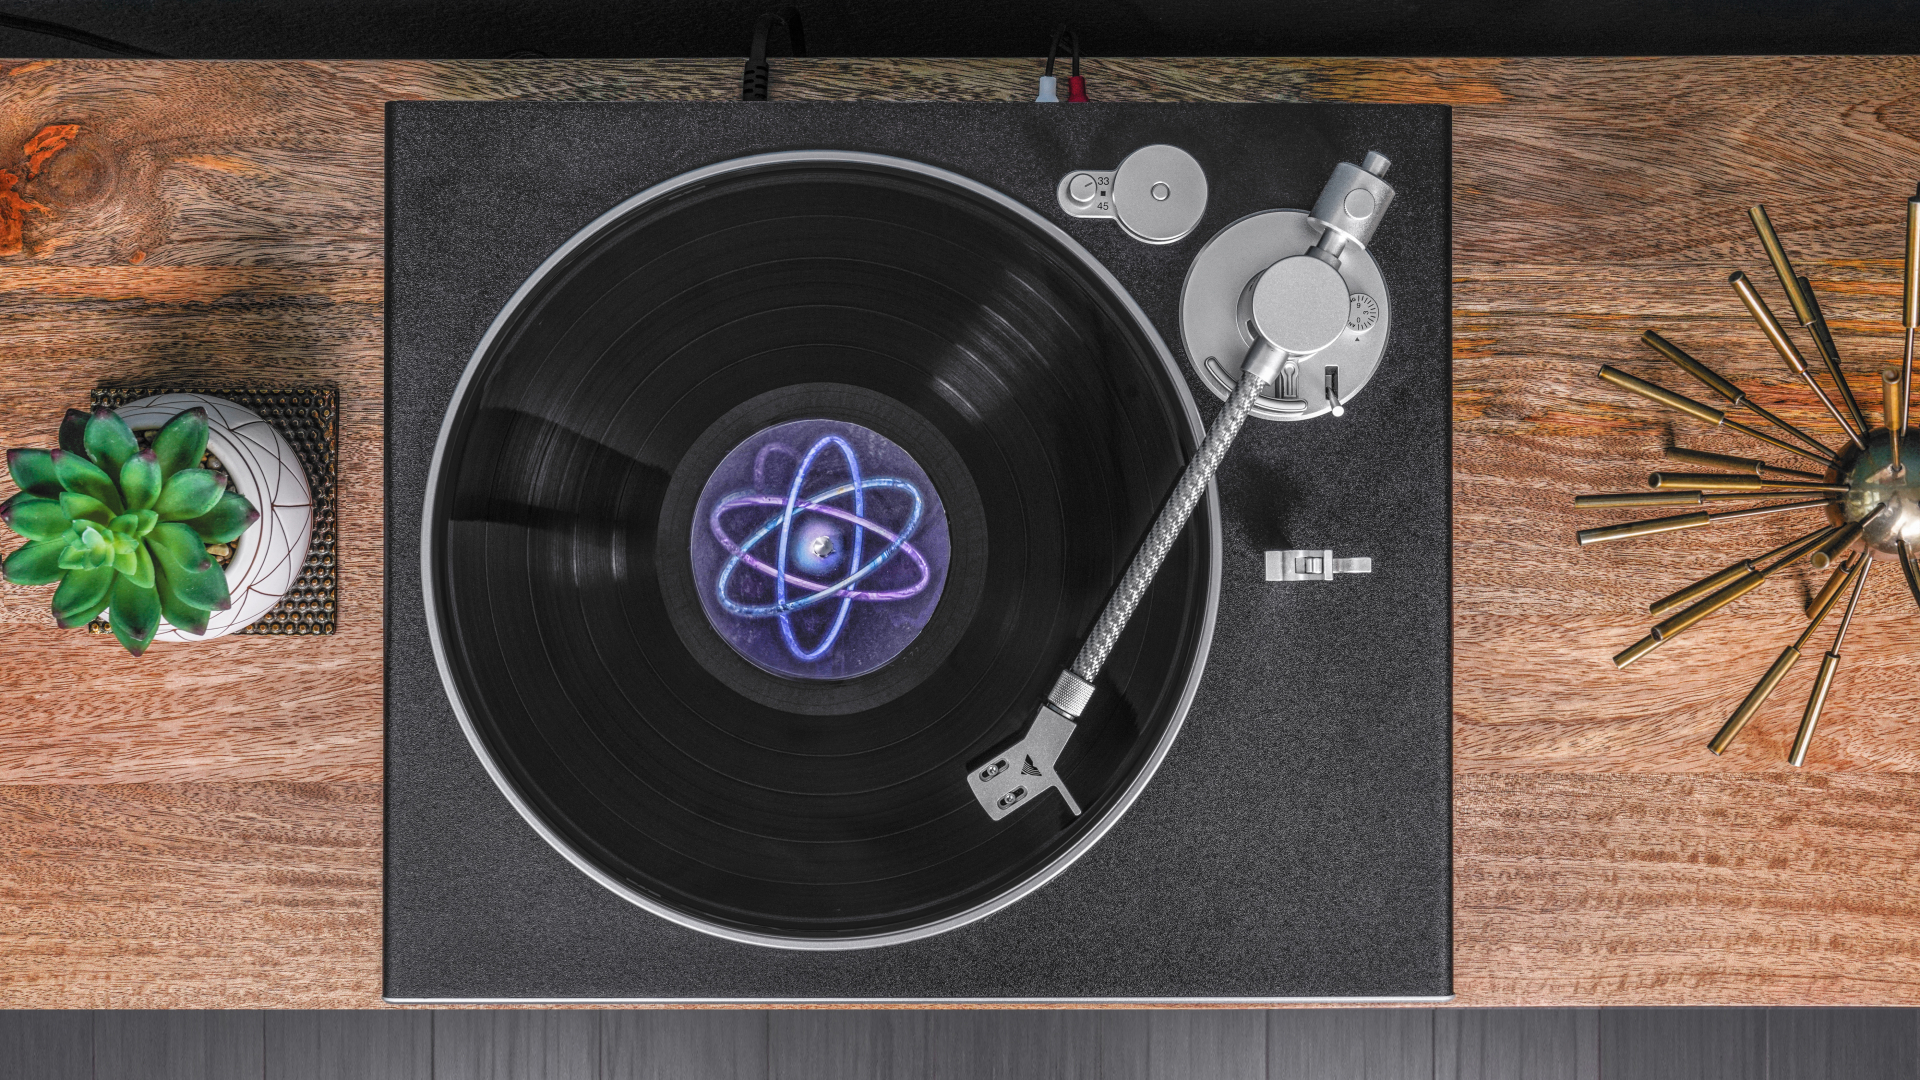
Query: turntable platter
[(647, 432)]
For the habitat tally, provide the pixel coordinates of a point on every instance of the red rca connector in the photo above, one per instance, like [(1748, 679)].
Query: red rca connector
[(1050, 86)]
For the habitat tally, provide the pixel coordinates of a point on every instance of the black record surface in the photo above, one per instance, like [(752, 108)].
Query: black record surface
[(558, 523)]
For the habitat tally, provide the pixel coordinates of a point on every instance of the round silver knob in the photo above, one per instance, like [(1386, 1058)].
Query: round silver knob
[(1080, 188)]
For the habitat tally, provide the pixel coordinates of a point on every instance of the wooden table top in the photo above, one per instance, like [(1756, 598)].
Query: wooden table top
[(201, 828)]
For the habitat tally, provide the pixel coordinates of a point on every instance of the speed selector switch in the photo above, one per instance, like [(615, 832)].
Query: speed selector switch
[(1156, 195)]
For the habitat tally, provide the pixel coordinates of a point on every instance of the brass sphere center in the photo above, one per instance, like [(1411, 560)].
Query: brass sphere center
[(1873, 483)]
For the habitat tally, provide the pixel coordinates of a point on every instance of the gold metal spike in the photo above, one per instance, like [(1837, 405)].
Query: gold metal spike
[(1829, 667), (1706, 413), (1789, 656), (1651, 526), (1666, 481), (1708, 584), (1842, 539), (1832, 588), (1777, 337), (1910, 303), (1896, 414), (1709, 460), (1677, 498), (1686, 620), (1726, 389), (1831, 356)]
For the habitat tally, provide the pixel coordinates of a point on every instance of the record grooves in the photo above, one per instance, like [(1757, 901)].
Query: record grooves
[(883, 296)]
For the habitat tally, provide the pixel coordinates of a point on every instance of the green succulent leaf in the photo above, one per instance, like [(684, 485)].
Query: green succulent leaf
[(145, 521), (135, 613), (226, 521), (38, 563), (178, 613), (32, 470), (181, 443), (81, 595), (88, 550), (85, 508), (189, 494), (126, 563), (174, 544), (142, 572), (195, 579), (140, 480), (79, 474), (36, 518), (73, 432), (109, 440)]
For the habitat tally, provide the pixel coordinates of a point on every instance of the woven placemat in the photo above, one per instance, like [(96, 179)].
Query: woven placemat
[(308, 417)]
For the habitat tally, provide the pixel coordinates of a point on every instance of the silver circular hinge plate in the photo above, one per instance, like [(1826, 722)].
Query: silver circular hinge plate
[(1214, 330)]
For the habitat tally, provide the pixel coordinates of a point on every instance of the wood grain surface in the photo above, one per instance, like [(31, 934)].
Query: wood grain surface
[(202, 827)]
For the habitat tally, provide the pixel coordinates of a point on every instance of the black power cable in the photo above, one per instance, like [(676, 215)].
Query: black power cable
[(753, 84), (92, 41)]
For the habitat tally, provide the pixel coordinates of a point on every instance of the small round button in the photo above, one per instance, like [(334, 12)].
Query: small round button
[(1159, 193), (1080, 188), (1359, 204)]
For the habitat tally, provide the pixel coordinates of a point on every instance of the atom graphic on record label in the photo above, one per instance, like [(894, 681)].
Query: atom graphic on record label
[(820, 548)]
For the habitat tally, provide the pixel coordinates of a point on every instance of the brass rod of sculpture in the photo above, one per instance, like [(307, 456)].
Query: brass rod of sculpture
[(1777, 337), (1678, 624), (1708, 584), (1831, 589), (1843, 538), (1829, 666), (1711, 460), (1700, 588), (1910, 301), (1788, 657), (1910, 568), (1676, 498), (1649, 527), (1639, 498), (1896, 415), (1777, 255), (1714, 381), (1831, 355), (1707, 413), (1668, 481)]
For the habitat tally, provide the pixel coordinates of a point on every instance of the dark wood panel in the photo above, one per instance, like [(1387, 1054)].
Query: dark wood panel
[(1516, 1044), (185, 1044), (1019, 1044), (1206, 1044), (1858, 1044), (1350, 1044), (697, 1044), (349, 1045), (516, 1044), (877, 1044), (46, 1045), (1683, 1044)]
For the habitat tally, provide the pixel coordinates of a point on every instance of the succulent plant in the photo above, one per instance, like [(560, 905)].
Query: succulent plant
[(123, 529)]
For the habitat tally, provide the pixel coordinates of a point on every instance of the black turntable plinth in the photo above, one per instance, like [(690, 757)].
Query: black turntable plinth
[(659, 373)]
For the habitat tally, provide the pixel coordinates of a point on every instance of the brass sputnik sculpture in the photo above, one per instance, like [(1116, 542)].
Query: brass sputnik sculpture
[(1868, 495)]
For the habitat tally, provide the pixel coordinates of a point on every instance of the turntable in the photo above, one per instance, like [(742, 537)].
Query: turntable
[(759, 478)]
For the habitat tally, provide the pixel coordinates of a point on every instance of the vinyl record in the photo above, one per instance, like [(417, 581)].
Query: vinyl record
[(772, 503)]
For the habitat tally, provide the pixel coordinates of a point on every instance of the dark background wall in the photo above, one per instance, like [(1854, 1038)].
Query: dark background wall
[(376, 29)]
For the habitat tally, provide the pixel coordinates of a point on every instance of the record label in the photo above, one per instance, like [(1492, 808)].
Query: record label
[(820, 549)]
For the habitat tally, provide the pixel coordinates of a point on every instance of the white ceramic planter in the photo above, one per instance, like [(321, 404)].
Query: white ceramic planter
[(266, 470)]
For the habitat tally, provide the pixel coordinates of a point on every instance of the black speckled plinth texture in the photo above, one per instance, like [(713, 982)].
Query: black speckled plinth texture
[(1295, 844)]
